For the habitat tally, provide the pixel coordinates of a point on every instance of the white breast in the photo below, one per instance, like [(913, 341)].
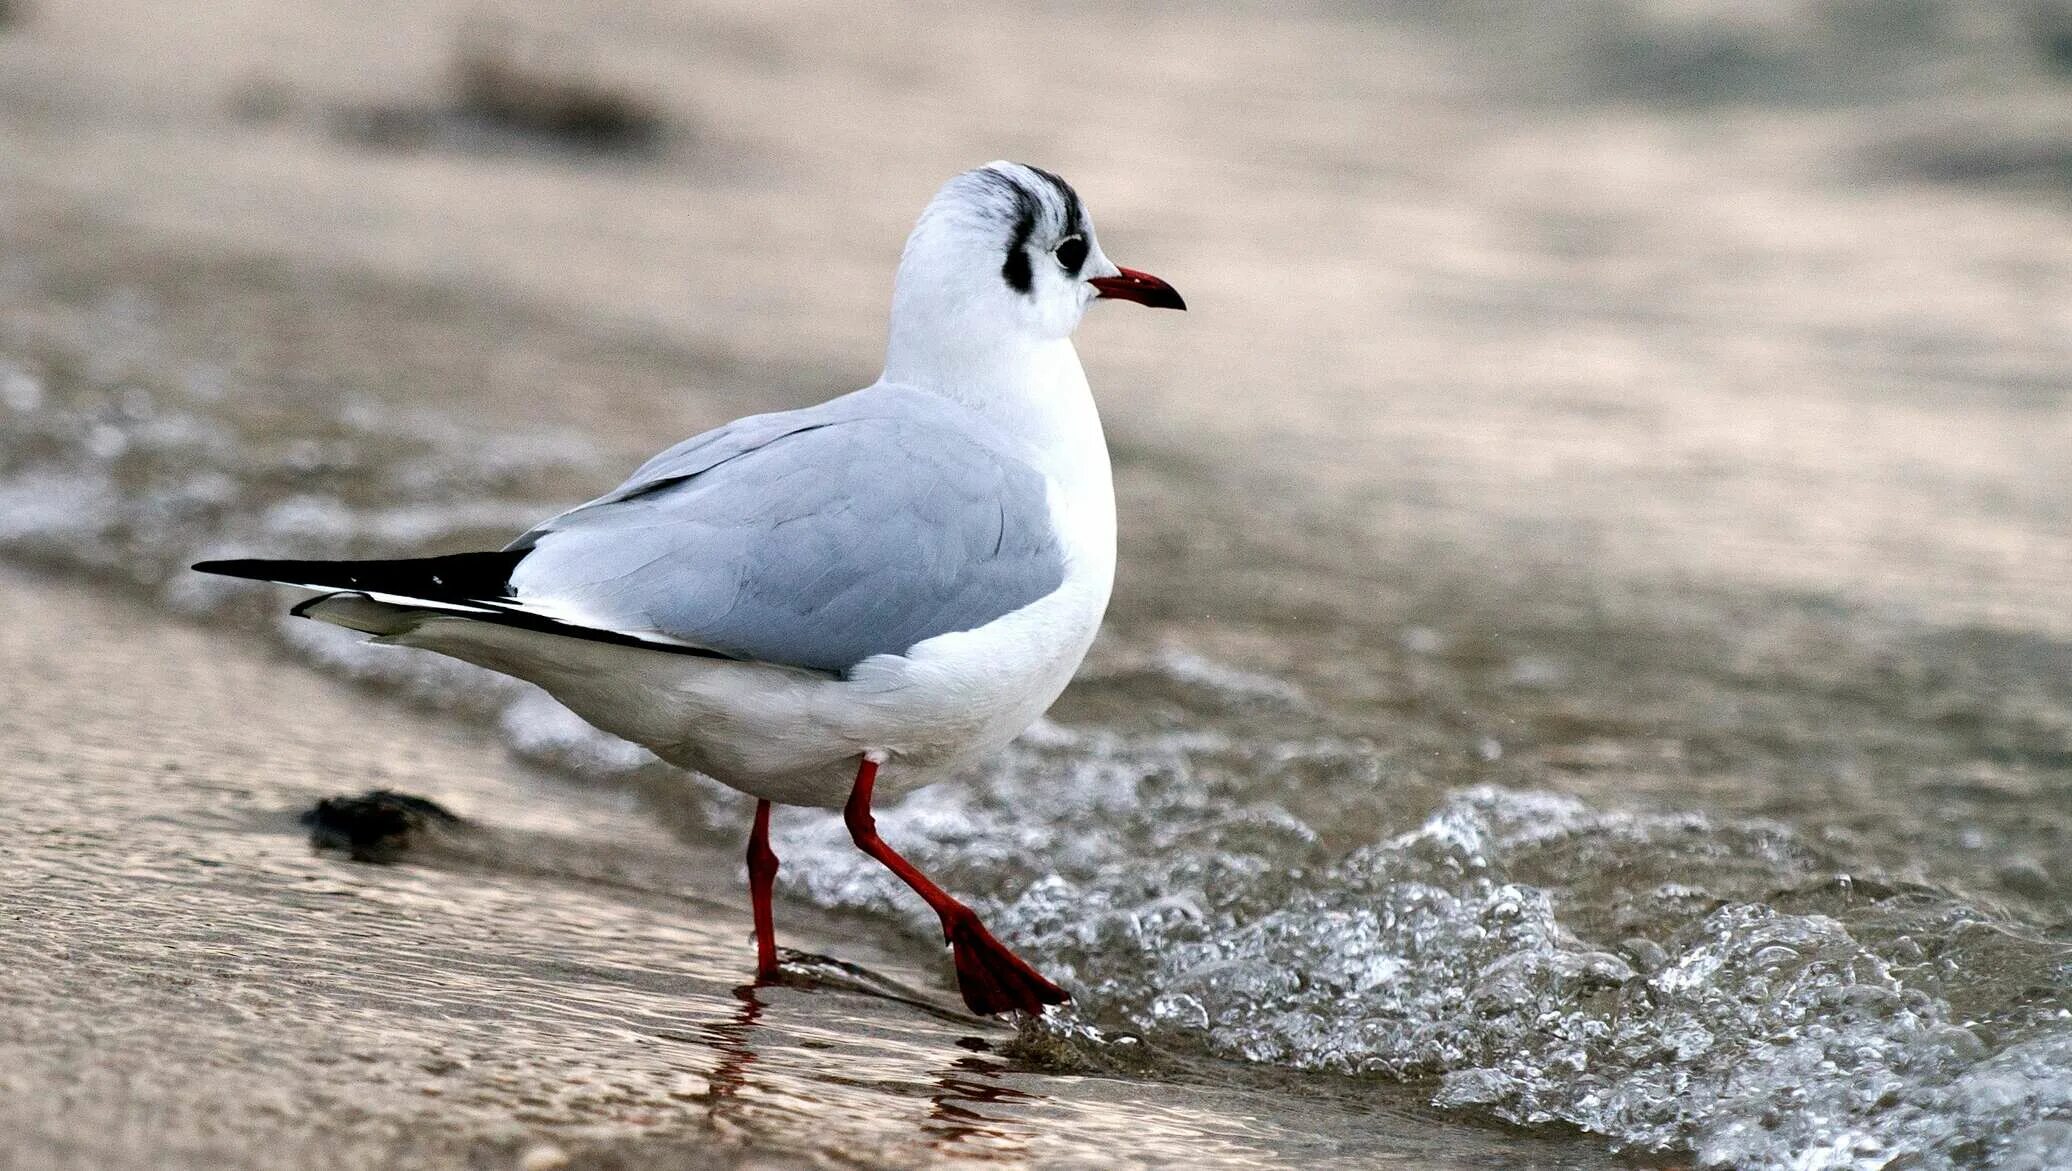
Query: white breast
[(956, 698)]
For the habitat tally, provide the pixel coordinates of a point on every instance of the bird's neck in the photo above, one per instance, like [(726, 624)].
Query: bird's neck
[(1034, 389)]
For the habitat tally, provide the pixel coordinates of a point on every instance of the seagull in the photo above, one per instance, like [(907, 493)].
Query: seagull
[(821, 606)]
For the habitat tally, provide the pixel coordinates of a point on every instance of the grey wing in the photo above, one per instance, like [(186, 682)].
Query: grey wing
[(814, 539), (701, 453)]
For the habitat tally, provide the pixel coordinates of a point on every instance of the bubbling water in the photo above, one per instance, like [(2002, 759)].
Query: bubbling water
[(1252, 879)]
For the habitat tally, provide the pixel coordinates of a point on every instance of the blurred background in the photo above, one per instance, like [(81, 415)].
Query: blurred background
[(1623, 439)]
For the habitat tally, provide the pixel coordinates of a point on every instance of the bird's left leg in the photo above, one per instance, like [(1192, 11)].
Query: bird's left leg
[(762, 876), (991, 978)]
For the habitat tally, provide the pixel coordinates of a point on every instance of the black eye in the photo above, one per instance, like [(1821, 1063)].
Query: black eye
[(1071, 252)]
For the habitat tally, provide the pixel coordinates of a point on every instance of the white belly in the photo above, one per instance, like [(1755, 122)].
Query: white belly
[(796, 736)]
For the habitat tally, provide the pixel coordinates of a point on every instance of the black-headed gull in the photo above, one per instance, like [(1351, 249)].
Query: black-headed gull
[(898, 581)]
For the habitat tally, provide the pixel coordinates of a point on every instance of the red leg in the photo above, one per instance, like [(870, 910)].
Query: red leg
[(992, 978), (762, 874)]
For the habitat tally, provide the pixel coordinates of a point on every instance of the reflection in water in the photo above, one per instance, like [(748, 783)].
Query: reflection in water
[(957, 1127), (952, 1126), (730, 1039)]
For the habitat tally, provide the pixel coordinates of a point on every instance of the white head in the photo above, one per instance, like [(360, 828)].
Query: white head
[(1003, 260)]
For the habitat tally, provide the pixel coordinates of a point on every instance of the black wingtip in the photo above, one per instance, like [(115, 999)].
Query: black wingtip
[(453, 577), (246, 567)]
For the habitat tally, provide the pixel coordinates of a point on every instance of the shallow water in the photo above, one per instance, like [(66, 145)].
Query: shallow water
[(555, 984), (1623, 686), (1212, 857)]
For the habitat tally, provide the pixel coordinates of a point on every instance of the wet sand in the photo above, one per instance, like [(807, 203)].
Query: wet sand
[(189, 985)]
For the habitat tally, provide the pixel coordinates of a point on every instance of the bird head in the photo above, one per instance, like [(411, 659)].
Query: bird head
[(1009, 248)]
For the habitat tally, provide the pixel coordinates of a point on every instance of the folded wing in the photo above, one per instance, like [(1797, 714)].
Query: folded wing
[(813, 538)]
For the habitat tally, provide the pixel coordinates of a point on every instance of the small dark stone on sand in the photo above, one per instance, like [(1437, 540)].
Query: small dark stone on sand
[(378, 826)]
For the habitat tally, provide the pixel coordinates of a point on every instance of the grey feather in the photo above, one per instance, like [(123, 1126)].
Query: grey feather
[(813, 538)]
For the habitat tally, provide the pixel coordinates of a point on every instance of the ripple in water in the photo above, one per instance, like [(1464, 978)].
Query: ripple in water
[(1255, 883)]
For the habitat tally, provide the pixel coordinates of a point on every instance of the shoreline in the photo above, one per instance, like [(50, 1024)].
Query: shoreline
[(193, 986)]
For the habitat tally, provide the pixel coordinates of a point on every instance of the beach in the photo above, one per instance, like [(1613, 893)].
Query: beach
[(1588, 678)]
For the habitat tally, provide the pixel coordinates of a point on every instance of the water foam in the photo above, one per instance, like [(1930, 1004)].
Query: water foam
[(1669, 979)]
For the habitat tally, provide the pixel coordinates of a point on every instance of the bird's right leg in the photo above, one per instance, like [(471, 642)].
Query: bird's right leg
[(762, 876), (991, 978)]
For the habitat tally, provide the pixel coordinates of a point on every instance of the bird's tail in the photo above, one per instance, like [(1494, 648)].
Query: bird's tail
[(359, 612)]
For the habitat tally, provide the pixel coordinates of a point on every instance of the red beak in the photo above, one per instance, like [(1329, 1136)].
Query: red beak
[(1141, 287)]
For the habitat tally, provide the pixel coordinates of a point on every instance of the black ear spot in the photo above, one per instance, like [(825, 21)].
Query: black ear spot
[(1016, 271)]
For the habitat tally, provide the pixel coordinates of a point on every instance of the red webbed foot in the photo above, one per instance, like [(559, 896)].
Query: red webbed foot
[(992, 978)]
